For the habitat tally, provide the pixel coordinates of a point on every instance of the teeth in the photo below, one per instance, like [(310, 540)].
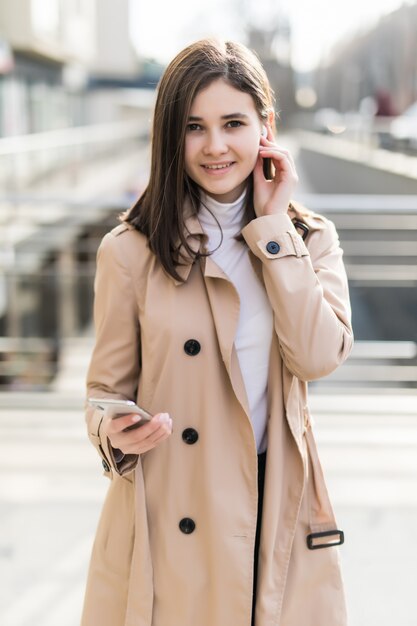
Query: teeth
[(217, 167)]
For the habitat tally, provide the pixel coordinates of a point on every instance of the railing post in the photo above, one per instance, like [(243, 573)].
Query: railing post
[(13, 312), (67, 300)]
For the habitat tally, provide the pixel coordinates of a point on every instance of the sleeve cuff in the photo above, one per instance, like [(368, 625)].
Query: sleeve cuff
[(122, 463), (118, 455), (112, 460), (273, 237)]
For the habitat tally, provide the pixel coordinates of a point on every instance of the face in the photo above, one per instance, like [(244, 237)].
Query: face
[(222, 140)]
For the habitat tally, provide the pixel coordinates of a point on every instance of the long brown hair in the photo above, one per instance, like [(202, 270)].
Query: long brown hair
[(159, 212)]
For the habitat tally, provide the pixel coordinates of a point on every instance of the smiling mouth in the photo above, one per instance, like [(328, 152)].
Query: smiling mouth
[(221, 166)]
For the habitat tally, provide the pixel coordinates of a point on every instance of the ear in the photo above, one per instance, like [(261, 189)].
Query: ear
[(271, 118)]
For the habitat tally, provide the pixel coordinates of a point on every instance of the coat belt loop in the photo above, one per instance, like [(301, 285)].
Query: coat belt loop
[(323, 527)]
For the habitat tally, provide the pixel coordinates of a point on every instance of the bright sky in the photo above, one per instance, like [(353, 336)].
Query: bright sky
[(161, 28)]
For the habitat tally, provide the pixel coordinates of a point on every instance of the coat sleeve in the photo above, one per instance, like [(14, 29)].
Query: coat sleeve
[(114, 367), (308, 291)]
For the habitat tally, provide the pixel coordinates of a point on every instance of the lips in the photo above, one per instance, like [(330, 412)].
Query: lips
[(218, 167)]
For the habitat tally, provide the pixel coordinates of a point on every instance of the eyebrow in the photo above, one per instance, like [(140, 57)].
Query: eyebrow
[(229, 116)]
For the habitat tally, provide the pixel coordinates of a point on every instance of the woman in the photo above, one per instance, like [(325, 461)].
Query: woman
[(213, 312)]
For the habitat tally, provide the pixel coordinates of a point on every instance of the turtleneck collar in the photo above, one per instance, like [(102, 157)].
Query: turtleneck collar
[(228, 214)]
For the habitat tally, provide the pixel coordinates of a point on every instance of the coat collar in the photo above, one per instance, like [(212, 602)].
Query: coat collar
[(197, 239)]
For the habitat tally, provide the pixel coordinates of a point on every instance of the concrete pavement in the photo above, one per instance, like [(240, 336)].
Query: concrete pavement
[(51, 490)]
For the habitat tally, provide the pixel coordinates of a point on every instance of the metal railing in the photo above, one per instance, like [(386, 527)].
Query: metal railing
[(29, 158), (48, 287), (351, 150), (378, 235), (366, 130)]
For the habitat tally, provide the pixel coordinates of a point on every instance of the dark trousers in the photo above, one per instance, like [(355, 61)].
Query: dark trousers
[(261, 480)]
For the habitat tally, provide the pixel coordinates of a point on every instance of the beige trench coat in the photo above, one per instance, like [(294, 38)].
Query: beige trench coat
[(144, 570)]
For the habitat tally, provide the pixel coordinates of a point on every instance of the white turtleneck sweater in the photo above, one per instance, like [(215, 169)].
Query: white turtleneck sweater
[(255, 325)]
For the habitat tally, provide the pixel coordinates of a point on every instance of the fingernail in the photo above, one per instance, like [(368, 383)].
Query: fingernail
[(136, 418), (164, 417)]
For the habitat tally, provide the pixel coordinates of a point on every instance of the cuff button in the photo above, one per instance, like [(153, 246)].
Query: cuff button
[(273, 247)]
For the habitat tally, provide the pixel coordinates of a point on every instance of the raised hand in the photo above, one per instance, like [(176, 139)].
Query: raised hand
[(273, 196)]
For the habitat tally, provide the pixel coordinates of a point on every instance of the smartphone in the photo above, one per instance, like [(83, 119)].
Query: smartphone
[(267, 169), (117, 408), (267, 163)]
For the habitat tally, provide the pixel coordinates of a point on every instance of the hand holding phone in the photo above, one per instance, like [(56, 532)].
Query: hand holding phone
[(273, 189), (121, 422)]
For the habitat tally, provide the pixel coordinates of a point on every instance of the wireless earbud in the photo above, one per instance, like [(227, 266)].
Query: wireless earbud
[(264, 131)]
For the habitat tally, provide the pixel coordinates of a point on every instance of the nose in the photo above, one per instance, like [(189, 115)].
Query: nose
[(215, 143)]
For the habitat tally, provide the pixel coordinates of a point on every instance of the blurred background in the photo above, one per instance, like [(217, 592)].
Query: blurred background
[(77, 87)]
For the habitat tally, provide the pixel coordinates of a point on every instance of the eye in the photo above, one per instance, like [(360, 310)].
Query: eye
[(234, 124), (194, 126)]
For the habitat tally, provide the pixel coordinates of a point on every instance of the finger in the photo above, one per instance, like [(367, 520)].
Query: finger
[(122, 438), (162, 427), (134, 441), (162, 433), (150, 442), (119, 423), (148, 428), (278, 150), (276, 155), (266, 141), (287, 154), (258, 173), (145, 447), (271, 144)]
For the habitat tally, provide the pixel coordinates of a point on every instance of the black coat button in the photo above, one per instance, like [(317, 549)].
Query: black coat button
[(105, 465), (187, 525), (192, 347), (190, 435), (273, 247)]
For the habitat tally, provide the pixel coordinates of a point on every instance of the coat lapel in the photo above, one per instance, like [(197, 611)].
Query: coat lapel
[(223, 299), (225, 307)]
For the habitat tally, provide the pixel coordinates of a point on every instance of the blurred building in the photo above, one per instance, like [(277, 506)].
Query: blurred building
[(44, 36), (63, 63), (381, 63), (114, 56), (51, 51)]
